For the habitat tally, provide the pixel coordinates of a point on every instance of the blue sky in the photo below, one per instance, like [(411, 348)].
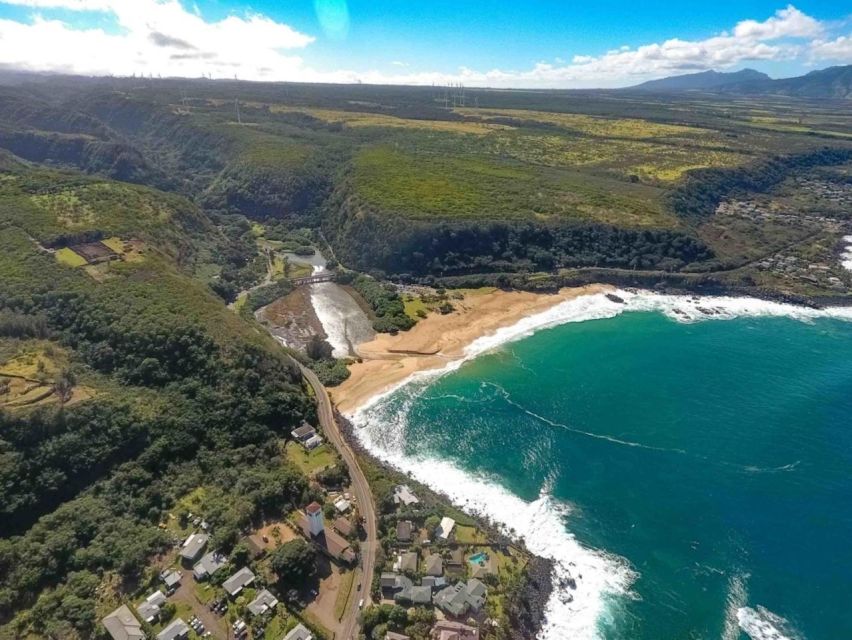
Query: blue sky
[(544, 43)]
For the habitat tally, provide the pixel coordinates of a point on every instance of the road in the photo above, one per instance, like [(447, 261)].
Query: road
[(349, 624)]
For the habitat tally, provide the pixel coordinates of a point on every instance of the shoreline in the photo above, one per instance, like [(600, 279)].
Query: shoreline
[(566, 610), (438, 340)]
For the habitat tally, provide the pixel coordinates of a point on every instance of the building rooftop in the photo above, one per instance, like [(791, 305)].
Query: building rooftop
[(171, 578), (262, 603), (343, 526), (434, 565), (209, 564), (177, 629), (313, 507), (123, 625), (408, 561), (193, 546), (414, 595), (446, 527), (328, 540), (299, 633), (448, 630), (236, 582), (402, 495), (403, 530), (390, 635), (303, 432)]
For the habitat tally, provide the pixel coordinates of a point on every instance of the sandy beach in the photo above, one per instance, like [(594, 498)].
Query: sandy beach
[(434, 341)]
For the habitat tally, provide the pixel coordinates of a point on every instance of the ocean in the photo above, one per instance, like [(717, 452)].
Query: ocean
[(686, 461)]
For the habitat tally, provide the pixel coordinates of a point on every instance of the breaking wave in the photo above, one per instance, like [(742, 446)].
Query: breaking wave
[(542, 524)]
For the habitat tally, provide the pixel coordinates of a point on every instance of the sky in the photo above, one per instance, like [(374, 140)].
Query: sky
[(521, 44)]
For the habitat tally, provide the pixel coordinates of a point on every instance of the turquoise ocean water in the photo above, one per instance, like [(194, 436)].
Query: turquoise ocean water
[(695, 479)]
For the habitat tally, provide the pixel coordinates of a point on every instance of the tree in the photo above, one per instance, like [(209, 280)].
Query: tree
[(294, 562)]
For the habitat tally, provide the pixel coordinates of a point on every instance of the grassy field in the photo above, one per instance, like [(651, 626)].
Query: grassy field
[(347, 579), (70, 258), (310, 461)]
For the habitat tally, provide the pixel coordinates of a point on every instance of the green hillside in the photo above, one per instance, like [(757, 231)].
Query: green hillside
[(123, 385)]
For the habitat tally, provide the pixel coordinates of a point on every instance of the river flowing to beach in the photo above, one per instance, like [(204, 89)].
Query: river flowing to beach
[(685, 461)]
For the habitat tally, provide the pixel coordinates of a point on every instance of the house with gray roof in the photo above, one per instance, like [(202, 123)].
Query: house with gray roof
[(403, 530), (434, 565), (209, 564), (121, 624), (414, 595), (193, 546), (299, 632), (177, 630), (402, 495), (171, 579), (407, 561), (242, 578), (264, 602), (434, 582), (149, 609), (388, 580), (460, 598)]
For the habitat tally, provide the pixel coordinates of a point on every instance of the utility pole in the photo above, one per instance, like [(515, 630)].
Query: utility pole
[(237, 106)]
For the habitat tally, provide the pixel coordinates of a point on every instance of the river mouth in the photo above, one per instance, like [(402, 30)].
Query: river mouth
[(338, 316)]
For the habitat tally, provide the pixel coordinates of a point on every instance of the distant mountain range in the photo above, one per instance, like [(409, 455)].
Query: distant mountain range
[(833, 82)]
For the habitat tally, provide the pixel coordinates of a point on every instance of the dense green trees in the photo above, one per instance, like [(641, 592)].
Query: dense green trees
[(383, 299), (294, 562)]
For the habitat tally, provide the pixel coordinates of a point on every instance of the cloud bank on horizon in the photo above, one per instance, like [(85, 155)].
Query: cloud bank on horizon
[(168, 38)]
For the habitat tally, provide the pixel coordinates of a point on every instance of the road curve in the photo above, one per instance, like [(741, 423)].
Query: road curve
[(349, 624)]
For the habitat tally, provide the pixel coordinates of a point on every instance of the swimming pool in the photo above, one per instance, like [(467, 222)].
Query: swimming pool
[(478, 558)]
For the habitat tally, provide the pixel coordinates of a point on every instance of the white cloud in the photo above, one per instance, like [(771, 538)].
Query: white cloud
[(837, 50), (165, 37), (154, 36)]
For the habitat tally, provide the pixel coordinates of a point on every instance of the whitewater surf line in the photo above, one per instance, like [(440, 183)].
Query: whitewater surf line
[(542, 523)]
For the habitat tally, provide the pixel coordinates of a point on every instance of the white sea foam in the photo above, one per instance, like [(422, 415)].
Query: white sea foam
[(542, 523), (846, 256), (761, 624)]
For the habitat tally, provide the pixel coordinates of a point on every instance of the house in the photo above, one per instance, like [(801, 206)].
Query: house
[(264, 602), (407, 562), (402, 495), (242, 578), (209, 564), (434, 565), (171, 580), (414, 595), (456, 558), (193, 546), (434, 582), (388, 580), (343, 526), (123, 625), (303, 433), (390, 635), (403, 530), (312, 443), (447, 630), (342, 504), (177, 630), (149, 609), (458, 599), (476, 593), (329, 541), (445, 528), (299, 633)]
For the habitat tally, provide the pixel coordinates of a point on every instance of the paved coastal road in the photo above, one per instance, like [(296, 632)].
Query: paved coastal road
[(349, 625)]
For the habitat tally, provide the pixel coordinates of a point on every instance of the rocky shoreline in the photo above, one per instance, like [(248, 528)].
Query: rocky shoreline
[(527, 610)]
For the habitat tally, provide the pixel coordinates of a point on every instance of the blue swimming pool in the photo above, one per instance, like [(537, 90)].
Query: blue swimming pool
[(478, 558)]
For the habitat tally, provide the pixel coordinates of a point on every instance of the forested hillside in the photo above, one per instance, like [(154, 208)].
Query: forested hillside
[(415, 183), (124, 384)]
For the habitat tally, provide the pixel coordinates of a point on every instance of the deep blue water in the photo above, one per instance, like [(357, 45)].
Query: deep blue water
[(714, 458)]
